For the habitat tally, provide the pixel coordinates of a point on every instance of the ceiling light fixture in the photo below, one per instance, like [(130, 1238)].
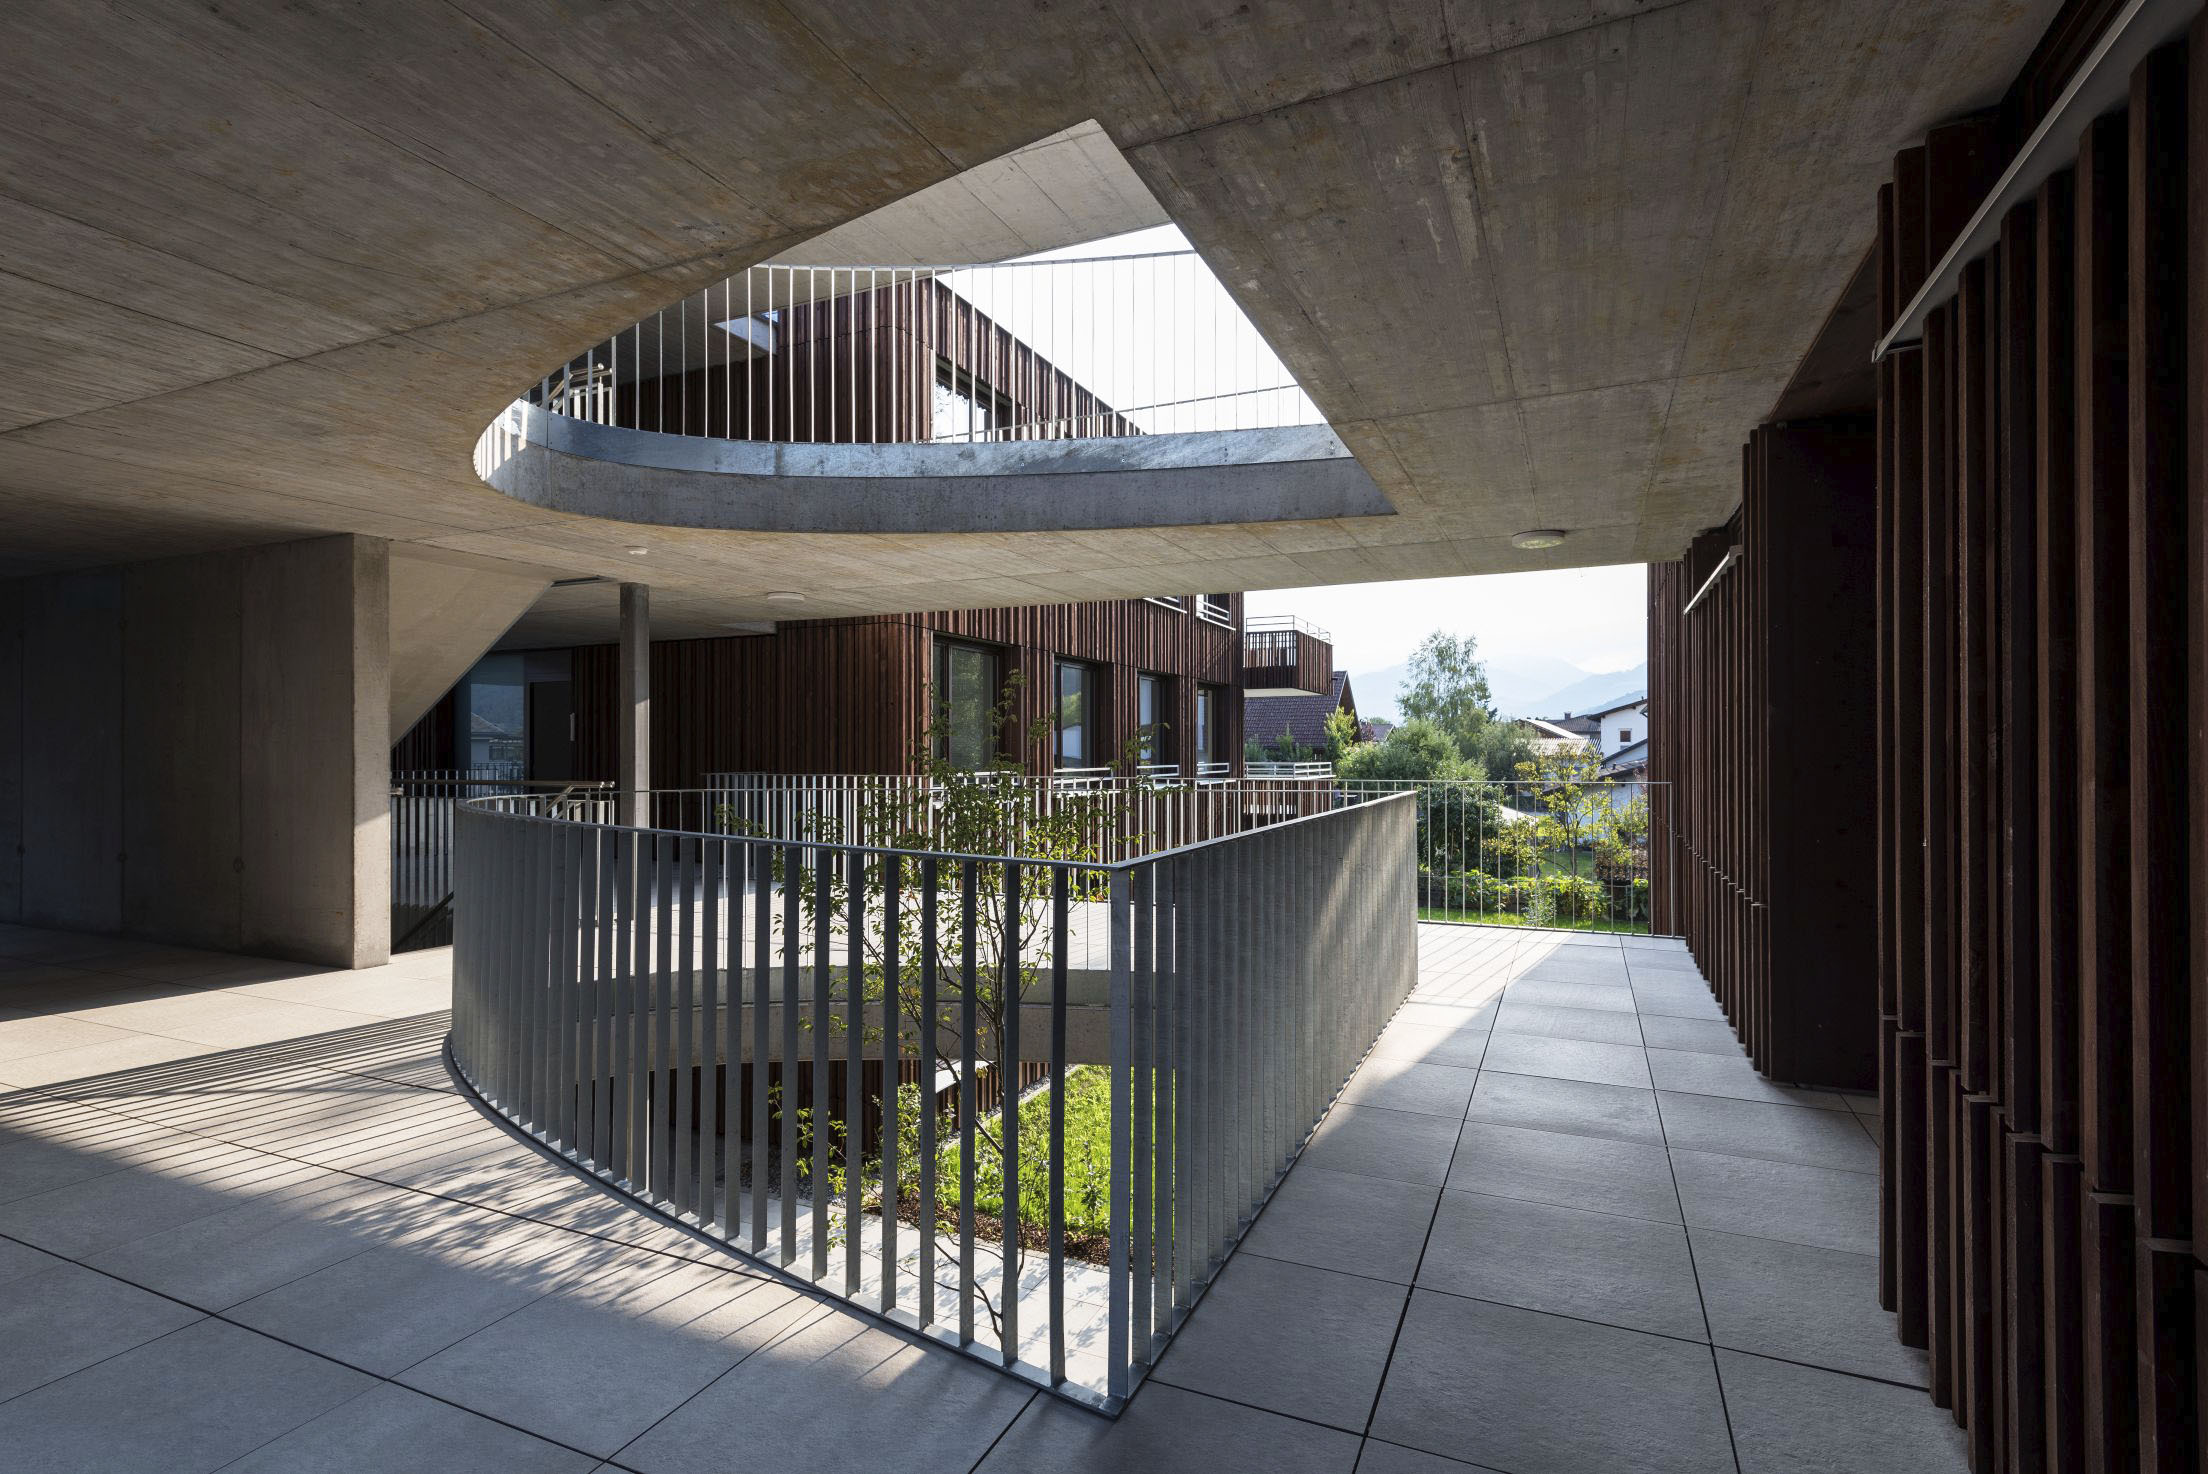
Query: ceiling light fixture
[(1538, 538), (785, 596), (638, 552)]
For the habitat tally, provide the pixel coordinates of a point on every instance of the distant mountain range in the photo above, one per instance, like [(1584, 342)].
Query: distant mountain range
[(1531, 686)]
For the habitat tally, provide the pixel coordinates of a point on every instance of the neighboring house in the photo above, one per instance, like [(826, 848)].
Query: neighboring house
[(1302, 716), (1628, 769), (1376, 730), (1620, 722), (1552, 737)]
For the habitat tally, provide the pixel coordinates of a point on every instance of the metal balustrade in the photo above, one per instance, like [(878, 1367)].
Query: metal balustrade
[(422, 802), (1119, 816), (831, 1057), (1064, 348), (1500, 852)]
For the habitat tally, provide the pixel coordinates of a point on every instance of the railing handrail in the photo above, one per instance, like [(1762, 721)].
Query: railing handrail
[(1050, 348), (1271, 624), (1089, 867), (621, 997)]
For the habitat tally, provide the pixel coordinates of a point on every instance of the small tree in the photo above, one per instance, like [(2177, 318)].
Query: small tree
[(1341, 734), (991, 811), (1446, 685)]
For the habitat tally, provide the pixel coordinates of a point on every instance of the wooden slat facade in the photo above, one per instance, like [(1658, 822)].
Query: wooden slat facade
[(850, 695), (2037, 594), (1758, 724), (855, 367)]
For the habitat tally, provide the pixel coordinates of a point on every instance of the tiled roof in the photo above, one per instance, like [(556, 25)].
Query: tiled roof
[(1263, 717)]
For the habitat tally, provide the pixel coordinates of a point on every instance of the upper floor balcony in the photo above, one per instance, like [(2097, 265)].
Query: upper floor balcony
[(1046, 394), (1285, 656)]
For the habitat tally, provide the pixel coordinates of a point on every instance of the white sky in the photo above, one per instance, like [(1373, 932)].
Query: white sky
[(1596, 618), (1165, 333)]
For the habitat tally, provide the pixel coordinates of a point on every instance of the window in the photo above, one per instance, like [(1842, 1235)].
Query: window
[(967, 683), (1079, 700), (1625, 735), (1153, 717), (1210, 741), (964, 407)]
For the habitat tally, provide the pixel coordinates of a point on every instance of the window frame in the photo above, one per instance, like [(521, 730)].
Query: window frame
[(939, 697), (1091, 724), (1157, 750)]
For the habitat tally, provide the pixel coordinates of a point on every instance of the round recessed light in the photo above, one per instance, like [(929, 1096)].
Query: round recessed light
[(785, 596), (638, 552), (1538, 538)]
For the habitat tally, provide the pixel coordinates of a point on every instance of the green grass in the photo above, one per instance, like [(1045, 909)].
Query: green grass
[(1088, 1160)]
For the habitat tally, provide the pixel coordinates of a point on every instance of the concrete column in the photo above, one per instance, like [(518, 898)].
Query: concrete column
[(199, 750), (633, 698)]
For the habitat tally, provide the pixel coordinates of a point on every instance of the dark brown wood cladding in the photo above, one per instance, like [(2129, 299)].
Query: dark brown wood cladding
[(2041, 749), (1758, 724), (855, 367), (850, 695), (1286, 660)]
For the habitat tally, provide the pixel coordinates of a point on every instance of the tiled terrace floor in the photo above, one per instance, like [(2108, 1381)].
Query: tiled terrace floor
[(1556, 1224)]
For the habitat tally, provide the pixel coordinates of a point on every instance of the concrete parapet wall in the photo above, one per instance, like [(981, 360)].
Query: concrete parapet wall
[(194, 750)]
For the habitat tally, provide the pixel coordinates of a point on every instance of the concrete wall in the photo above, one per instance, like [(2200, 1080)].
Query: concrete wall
[(195, 750)]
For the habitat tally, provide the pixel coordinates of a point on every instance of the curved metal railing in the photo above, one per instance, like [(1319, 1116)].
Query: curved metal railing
[(1053, 348), (1021, 1106)]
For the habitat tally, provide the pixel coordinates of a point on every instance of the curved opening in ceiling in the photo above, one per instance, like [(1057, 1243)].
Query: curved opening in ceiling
[(1089, 384)]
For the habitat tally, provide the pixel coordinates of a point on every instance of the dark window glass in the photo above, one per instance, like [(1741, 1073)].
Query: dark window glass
[(1207, 724), (1077, 715), (1153, 706), (966, 687)]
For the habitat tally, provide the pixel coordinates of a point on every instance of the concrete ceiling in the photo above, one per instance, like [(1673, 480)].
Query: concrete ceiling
[(267, 270)]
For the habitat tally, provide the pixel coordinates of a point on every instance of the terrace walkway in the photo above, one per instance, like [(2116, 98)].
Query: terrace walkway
[(1557, 1223)]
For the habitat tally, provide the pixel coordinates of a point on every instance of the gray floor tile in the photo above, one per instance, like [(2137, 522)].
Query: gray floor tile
[(1577, 1106), (1624, 1177), (1289, 1338), (1801, 1420), (392, 1306), (1621, 1271), (1541, 1394), (1393, 1458), (1337, 1220), (1800, 1303), (43, 1033), (1429, 1045), (393, 1431), (1602, 1025), (1404, 1085), (1778, 1200), (1693, 1035), (85, 1217), (18, 1260), (594, 1366), (62, 1317), (835, 1395), (1460, 1017), (1709, 1074), (216, 1261), (1166, 1431), (1403, 1146), (1618, 999), (1568, 1059), (1783, 1133), (193, 1400), (30, 1165), (1687, 1003)]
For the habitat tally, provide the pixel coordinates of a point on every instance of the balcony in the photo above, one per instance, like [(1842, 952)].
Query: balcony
[(1285, 656), (1033, 395)]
